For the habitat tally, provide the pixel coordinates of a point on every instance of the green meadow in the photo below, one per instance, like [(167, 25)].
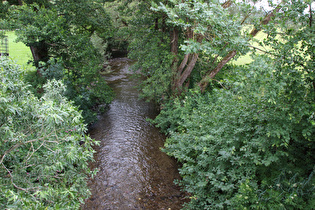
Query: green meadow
[(18, 51)]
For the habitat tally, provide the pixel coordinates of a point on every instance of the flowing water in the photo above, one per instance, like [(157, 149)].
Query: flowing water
[(133, 172)]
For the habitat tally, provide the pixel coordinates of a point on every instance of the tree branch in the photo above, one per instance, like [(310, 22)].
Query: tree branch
[(9, 172), (266, 20), (205, 81), (256, 48), (227, 4), (188, 70)]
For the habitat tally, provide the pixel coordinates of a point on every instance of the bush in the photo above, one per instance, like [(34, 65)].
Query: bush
[(44, 150), (87, 90), (248, 146)]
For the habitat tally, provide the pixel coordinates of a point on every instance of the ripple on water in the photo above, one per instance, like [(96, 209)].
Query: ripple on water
[(133, 172)]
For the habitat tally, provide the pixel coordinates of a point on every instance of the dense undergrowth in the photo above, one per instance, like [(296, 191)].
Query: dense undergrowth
[(88, 90), (244, 135), (44, 151), (248, 145)]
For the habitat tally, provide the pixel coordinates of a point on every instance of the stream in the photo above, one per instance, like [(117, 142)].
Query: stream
[(133, 172)]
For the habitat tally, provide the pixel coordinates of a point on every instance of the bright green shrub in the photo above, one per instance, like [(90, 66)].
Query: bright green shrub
[(250, 146), (44, 151)]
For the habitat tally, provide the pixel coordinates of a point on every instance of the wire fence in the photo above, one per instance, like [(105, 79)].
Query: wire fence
[(4, 46)]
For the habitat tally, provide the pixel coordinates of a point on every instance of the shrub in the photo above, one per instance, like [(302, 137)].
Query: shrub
[(248, 146), (44, 151), (87, 91)]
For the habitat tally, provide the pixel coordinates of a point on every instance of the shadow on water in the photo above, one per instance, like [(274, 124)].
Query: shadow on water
[(133, 172)]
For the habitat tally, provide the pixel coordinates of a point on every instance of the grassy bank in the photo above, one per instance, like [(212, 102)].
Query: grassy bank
[(17, 50)]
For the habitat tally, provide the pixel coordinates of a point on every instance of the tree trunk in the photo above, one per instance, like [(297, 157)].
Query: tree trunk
[(174, 41), (182, 77), (182, 65), (187, 71), (40, 53), (183, 71)]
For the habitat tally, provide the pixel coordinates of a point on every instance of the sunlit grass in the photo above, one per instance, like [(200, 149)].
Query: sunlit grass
[(246, 59), (18, 51)]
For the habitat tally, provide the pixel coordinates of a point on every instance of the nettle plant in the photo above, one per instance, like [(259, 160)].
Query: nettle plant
[(44, 151)]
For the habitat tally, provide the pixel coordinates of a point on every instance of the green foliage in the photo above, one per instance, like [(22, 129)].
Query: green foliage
[(64, 47), (4, 6), (44, 149), (219, 28), (85, 90), (154, 62), (248, 146)]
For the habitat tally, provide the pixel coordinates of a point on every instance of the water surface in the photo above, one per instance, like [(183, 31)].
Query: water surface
[(133, 172)]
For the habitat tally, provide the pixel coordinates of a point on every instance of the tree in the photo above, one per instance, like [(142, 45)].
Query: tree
[(186, 24), (60, 41), (64, 20), (249, 144), (44, 150), (208, 28), (202, 37)]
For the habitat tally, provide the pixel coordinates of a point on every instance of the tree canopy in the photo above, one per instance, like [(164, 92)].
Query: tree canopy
[(59, 34), (200, 36)]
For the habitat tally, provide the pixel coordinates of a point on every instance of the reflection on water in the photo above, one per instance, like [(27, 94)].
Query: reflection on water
[(133, 172)]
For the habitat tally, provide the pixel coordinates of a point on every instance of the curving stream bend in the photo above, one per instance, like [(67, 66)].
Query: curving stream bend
[(133, 172)]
